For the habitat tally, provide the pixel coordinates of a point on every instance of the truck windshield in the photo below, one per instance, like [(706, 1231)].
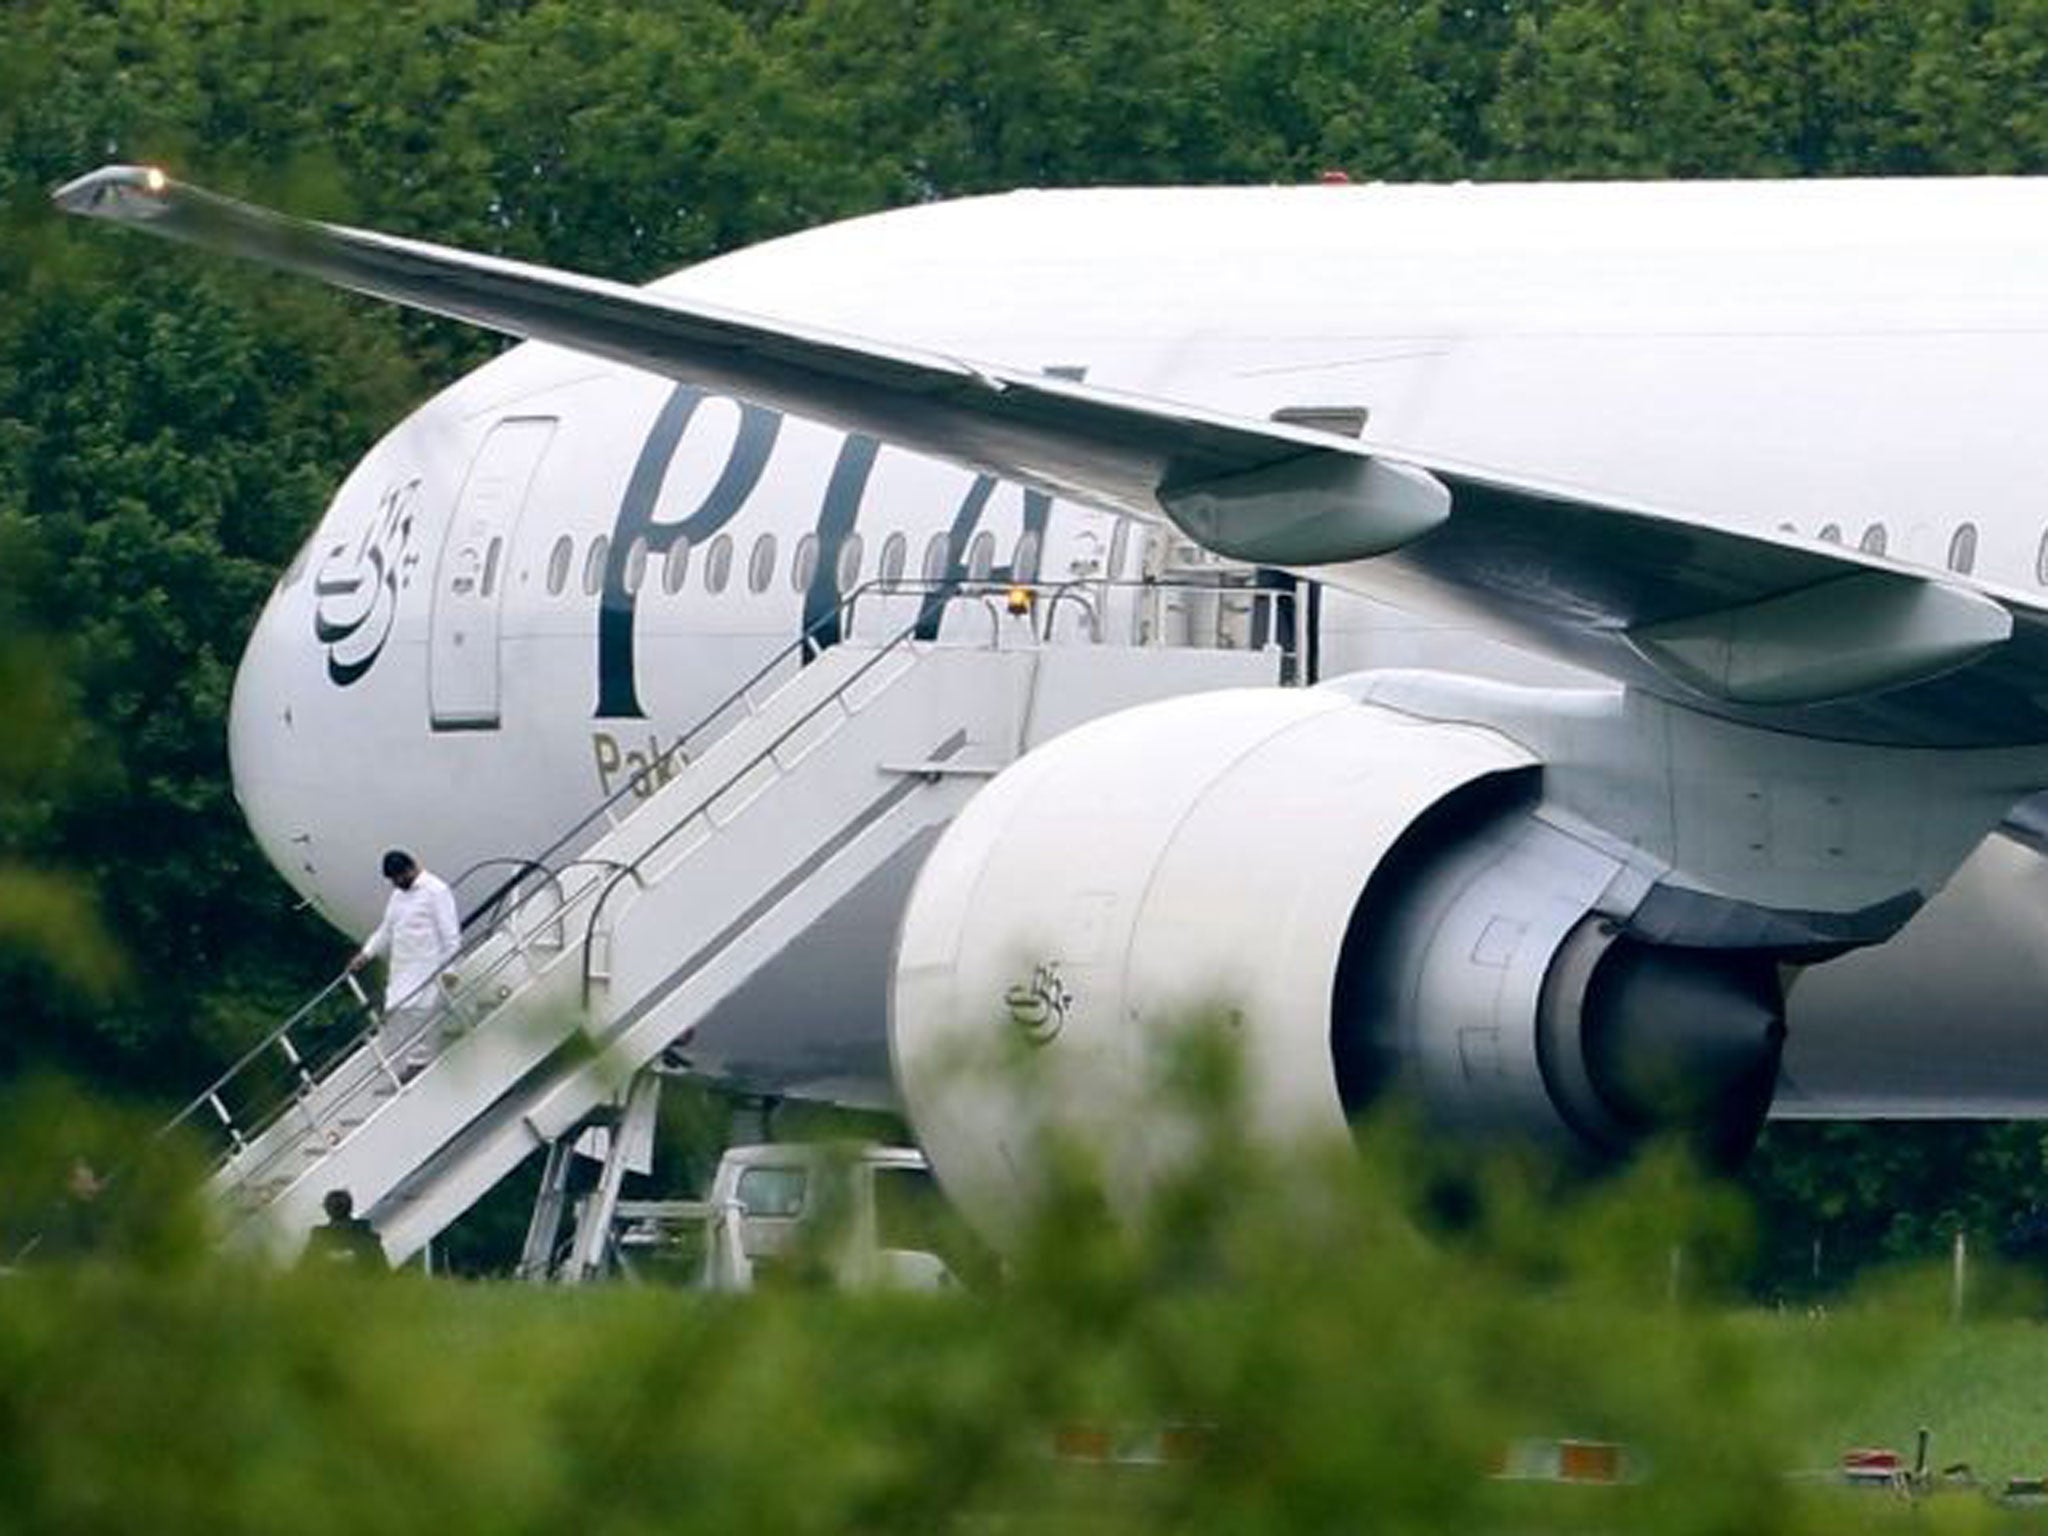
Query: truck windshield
[(772, 1191)]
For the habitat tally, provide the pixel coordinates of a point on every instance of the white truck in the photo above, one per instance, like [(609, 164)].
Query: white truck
[(849, 1216)]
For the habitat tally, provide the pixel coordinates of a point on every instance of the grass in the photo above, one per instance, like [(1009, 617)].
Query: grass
[(1978, 1387)]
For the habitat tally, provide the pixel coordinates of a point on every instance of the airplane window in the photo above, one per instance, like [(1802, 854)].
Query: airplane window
[(761, 564), (593, 564), (849, 562), (636, 565), (675, 566), (805, 565), (2041, 562), (1962, 549), (718, 563), (895, 547), (935, 557), (491, 558), (981, 556), (1831, 534), (1119, 544), (1024, 563), (558, 564), (1873, 540)]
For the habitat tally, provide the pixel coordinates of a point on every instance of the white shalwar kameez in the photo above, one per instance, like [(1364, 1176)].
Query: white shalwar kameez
[(420, 934)]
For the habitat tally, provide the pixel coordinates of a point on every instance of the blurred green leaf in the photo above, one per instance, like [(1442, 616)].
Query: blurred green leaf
[(53, 918)]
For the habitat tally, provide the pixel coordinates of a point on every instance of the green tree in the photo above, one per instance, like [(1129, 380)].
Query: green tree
[(1972, 100), (50, 927), (1835, 1198), (168, 428), (1642, 88)]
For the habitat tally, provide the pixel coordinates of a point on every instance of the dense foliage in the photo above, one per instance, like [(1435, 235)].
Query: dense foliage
[(1293, 1349), (170, 425)]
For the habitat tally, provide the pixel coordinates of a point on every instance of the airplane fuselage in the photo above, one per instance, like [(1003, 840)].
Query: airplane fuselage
[(537, 583)]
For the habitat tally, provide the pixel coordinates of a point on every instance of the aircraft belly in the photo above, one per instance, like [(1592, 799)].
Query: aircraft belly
[(813, 1022), (1948, 1020)]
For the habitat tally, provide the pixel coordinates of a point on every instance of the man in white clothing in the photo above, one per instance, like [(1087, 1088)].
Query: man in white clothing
[(420, 935)]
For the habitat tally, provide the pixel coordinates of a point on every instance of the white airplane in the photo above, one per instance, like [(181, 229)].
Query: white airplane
[(1689, 532)]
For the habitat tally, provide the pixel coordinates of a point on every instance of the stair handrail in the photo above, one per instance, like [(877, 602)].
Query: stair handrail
[(486, 909), (839, 619), (210, 1095), (387, 1071), (1046, 598), (446, 1000), (475, 926), (1083, 590), (631, 868), (476, 932), (484, 920)]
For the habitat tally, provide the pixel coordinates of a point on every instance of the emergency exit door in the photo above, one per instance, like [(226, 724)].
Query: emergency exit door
[(470, 580)]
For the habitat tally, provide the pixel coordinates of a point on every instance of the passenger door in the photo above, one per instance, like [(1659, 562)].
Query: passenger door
[(470, 578)]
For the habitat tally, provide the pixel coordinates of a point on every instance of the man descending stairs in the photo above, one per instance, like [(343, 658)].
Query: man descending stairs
[(421, 935)]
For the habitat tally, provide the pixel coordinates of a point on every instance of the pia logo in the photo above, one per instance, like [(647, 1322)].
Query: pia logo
[(355, 590), (1039, 1006)]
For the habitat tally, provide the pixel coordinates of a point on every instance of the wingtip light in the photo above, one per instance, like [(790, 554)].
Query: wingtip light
[(115, 192)]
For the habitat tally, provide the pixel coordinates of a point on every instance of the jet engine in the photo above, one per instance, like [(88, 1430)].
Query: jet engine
[(1365, 902)]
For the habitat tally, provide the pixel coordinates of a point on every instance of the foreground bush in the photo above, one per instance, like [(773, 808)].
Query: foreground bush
[(1328, 1341)]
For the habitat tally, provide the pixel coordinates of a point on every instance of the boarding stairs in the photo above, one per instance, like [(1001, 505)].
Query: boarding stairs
[(609, 947)]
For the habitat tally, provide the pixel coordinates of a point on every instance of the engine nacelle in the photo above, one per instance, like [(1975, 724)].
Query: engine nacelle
[(1364, 898)]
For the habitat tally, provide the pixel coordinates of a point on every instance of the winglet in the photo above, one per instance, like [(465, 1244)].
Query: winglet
[(125, 194)]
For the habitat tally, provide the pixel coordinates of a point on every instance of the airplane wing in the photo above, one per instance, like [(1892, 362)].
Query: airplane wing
[(1088, 444), (1800, 636)]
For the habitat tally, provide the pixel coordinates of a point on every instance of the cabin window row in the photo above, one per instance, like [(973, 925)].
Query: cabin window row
[(1962, 546), (716, 561)]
